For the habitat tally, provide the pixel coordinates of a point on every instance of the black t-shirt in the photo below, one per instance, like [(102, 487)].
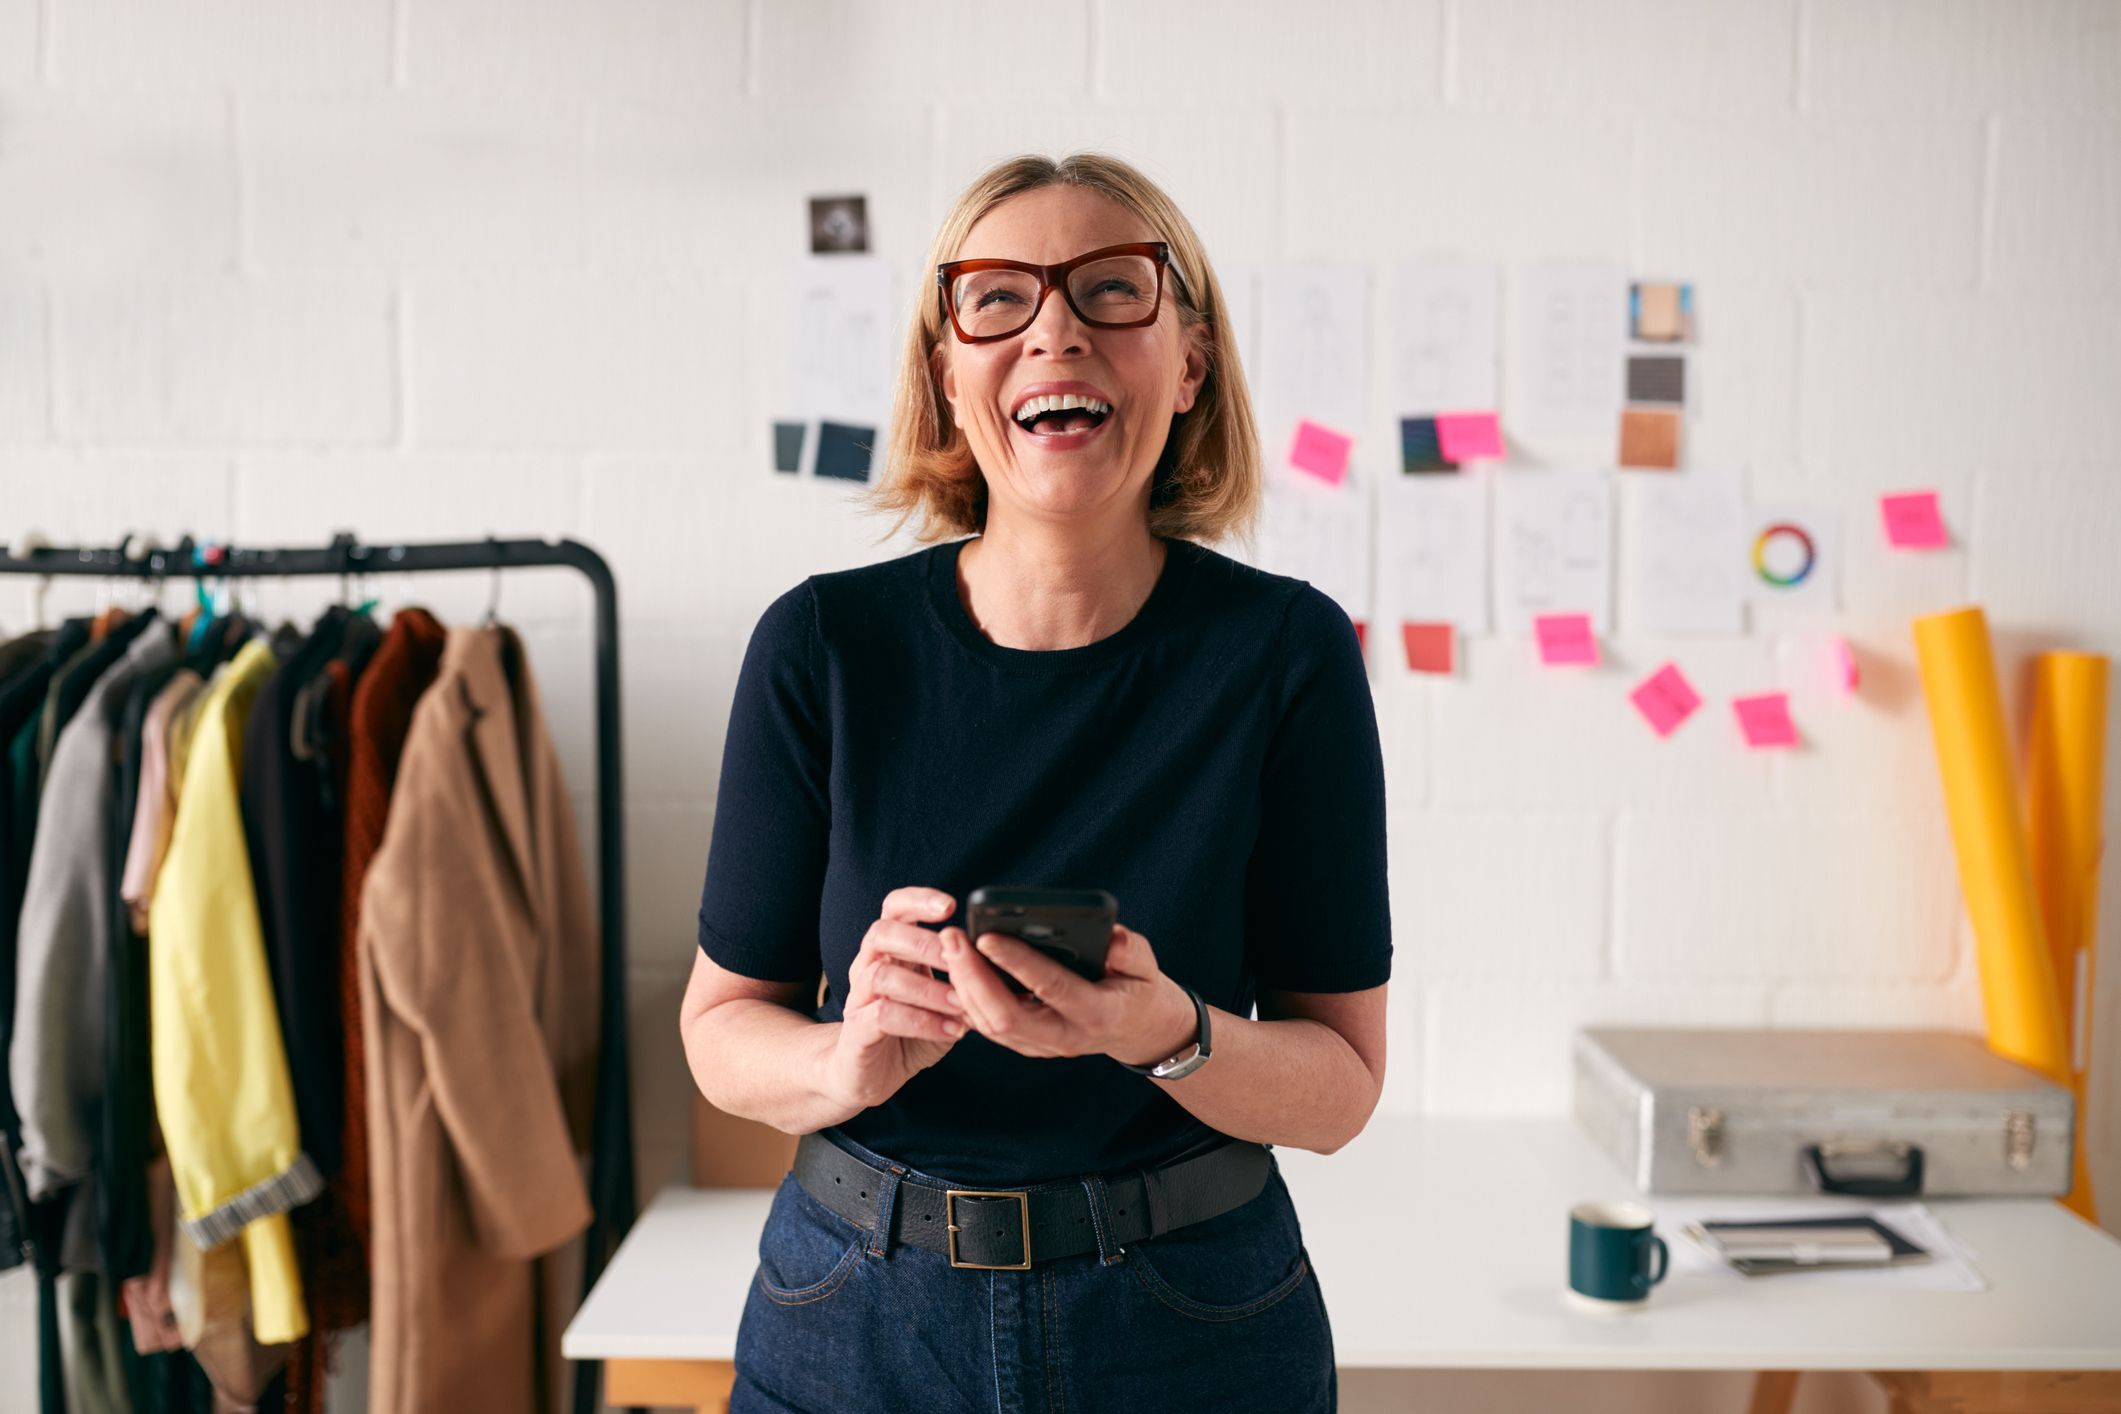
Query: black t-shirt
[(1214, 764)]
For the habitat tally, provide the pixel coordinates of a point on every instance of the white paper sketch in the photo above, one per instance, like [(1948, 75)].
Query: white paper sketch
[(1314, 342), (1685, 558), (1553, 546), (1322, 534), (1572, 331), (841, 326), (1443, 337), (1432, 551)]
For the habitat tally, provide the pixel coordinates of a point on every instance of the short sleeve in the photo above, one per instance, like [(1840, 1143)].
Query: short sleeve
[(1317, 909), (772, 813)]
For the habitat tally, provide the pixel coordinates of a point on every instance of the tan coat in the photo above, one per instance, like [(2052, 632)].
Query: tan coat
[(479, 984)]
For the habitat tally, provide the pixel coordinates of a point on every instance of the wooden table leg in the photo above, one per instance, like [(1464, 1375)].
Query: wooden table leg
[(702, 1385), (2002, 1392), (1774, 1391)]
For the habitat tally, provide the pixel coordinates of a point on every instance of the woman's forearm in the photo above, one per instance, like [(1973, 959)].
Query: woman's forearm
[(1295, 1082), (759, 1060)]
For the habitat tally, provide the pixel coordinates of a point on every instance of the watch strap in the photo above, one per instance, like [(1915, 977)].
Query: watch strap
[(1200, 1037)]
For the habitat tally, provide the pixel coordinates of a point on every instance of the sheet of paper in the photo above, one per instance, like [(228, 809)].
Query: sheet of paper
[(1765, 719), (1430, 647), (1665, 699), (1951, 1267), (1469, 436), (1322, 534), (1314, 348), (1444, 322), (1566, 640), (1553, 546), (1432, 551), (1572, 324), (1321, 452), (841, 340), (1792, 562), (1684, 562), (1914, 521)]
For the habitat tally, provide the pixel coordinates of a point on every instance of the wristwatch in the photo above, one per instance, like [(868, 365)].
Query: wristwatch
[(1186, 1061)]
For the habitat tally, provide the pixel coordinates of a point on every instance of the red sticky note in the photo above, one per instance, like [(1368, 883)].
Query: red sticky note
[(1913, 521), (1565, 639), (1465, 436), (1321, 451), (1429, 646), (1665, 698), (1765, 719), (1358, 636)]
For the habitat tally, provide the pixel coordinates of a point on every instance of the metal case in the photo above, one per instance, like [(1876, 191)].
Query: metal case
[(1877, 1114)]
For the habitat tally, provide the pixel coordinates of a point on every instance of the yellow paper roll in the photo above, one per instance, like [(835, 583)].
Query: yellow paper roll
[(2018, 993), (2065, 773)]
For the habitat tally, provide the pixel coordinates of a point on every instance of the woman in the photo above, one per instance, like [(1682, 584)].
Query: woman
[(1081, 695)]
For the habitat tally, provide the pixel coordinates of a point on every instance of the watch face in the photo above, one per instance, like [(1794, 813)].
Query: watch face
[(1170, 1070)]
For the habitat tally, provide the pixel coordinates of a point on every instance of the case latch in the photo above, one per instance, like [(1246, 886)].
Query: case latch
[(1704, 1134), (2018, 1139)]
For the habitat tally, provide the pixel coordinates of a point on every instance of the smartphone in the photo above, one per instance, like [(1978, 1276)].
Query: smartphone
[(1072, 926)]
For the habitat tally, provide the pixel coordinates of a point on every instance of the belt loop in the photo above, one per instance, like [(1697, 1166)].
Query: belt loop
[(886, 1204), (1100, 1197), (1153, 1195)]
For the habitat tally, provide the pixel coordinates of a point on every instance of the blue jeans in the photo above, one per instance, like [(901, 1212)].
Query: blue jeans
[(1222, 1314)]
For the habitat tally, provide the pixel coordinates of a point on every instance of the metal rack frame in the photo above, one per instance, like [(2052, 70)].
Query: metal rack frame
[(611, 1173)]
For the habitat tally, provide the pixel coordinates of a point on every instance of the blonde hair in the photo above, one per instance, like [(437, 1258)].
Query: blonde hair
[(1206, 486)]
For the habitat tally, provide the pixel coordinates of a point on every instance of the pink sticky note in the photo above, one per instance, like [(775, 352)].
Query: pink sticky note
[(1429, 646), (1765, 719), (1841, 660), (1665, 698), (1913, 521), (1565, 639), (1320, 451), (1465, 436)]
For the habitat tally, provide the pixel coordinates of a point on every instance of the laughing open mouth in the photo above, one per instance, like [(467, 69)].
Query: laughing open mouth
[(1052, 417)]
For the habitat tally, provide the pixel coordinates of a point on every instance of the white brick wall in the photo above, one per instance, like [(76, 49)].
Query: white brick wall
[(457, 267)]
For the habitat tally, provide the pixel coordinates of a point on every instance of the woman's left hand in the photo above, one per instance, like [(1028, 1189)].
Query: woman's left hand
[(1135, 1013)]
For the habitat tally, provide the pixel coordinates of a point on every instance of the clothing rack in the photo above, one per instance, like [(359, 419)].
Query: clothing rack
[(611, 1170)]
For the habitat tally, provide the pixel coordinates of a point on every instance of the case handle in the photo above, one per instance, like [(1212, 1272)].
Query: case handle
[(1907, 1185)]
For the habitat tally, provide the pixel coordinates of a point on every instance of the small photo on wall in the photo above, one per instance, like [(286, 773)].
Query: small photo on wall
[(1661, 312), (838, 224), (1649, 438)]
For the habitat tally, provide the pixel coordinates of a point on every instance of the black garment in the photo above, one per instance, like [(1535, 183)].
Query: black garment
[(74, 682), (21, 697), (123, 1223), (1214, 764), (293, 835), (34, 1227)]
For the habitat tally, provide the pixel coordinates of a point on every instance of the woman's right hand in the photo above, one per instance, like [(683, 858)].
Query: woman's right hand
[(898, 1020)]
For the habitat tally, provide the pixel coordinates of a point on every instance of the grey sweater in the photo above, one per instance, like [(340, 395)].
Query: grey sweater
[(61, 992)]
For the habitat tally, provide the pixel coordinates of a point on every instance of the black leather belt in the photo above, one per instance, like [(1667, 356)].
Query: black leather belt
[(1008, 1229)]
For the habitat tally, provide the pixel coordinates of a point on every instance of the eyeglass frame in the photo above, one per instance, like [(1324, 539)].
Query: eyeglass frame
[(1052, 277)]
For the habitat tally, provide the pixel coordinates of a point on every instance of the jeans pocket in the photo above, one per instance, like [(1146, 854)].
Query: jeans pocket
[(806, 1251), (1230, 1266)]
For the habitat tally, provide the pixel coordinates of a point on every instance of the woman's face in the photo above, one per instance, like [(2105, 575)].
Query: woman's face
[(1146, 374)]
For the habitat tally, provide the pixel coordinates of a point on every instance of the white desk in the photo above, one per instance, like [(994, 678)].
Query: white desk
[(1486, 1222)]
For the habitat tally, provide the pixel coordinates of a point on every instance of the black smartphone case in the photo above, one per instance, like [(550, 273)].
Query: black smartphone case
[(1072, 926)]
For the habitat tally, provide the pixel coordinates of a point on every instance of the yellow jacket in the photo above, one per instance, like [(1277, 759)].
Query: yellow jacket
[(220, 1069)]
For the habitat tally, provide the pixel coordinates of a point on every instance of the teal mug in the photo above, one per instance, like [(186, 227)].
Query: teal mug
[(1614, 1256)]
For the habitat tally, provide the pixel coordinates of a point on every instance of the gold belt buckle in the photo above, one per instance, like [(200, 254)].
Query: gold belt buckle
[(1023, 1199)]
